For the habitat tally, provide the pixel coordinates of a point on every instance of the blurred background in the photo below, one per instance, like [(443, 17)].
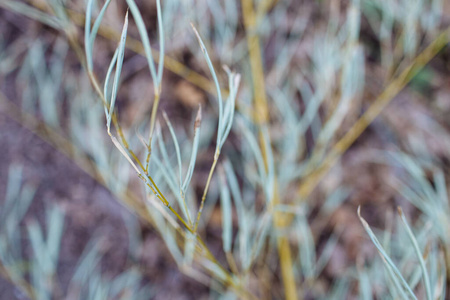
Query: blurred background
[(340, 104)]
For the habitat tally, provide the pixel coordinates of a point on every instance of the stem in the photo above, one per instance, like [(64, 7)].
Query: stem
[(183, 197), (152, 128), (231, 262), (262, 117), (25, 287), (281, 222), (205, 192), (257, 70), (129, 198)]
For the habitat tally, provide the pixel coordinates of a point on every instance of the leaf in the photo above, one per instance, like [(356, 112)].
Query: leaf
[(216, 83), (225, 203), (190, 170), (120, 56), (386, 259), (145, 40), (176, 144), (426, 279)]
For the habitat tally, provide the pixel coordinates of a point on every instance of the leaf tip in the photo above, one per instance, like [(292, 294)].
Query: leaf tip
[(166, 118), (198, 118), (399, 211)]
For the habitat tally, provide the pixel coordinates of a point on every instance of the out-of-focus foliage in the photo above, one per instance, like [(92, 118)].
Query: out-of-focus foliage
[(290, 99)]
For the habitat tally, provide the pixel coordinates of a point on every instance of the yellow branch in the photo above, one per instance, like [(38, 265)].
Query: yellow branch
[(128, 198), (262, 117), (282, 222), (254, 50)]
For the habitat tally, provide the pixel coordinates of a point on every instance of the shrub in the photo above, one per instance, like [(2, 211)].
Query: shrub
[(299, 93)]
